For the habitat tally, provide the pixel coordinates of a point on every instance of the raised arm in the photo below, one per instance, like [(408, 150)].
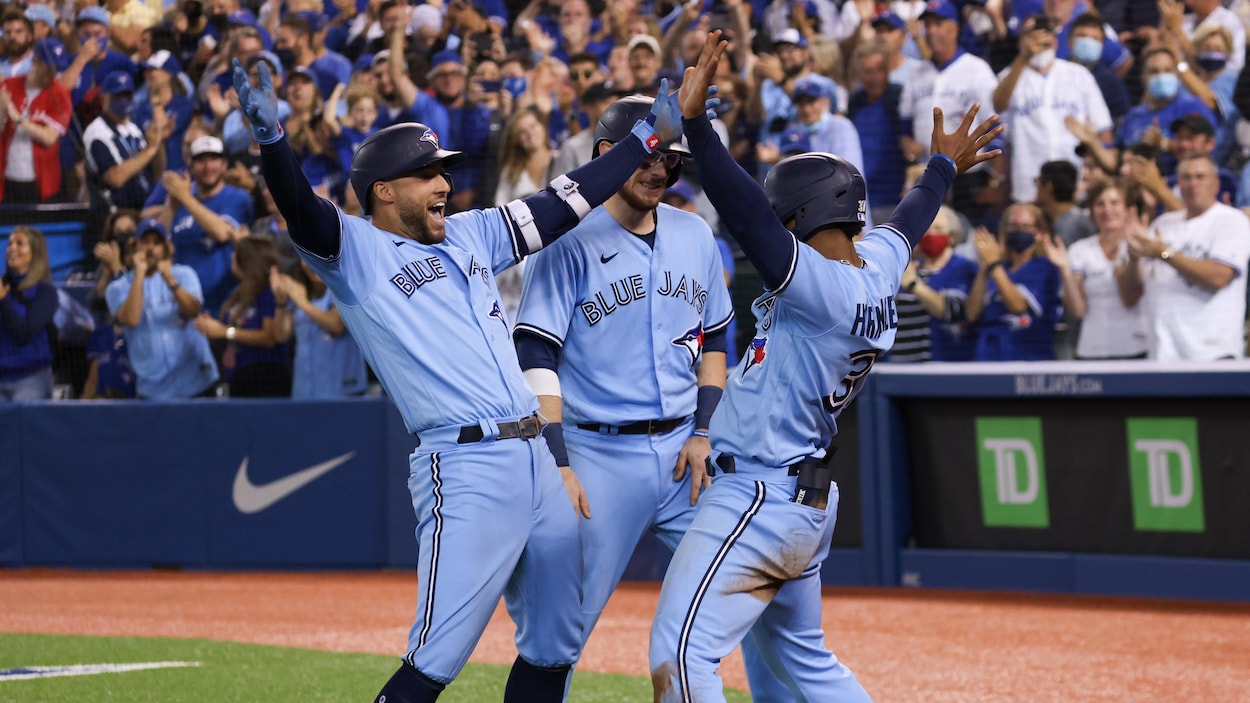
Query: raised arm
[(312, 221)]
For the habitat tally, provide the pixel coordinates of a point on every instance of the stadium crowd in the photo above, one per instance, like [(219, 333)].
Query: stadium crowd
[(1111, 230)]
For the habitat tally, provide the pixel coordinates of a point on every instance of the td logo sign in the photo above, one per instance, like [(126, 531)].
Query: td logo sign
[(1012, 469), (1165, 474)]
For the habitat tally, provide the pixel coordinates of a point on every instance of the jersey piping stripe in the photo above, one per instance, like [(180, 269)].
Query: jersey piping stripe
[(514, 235), (720, 325), (1030, 299), (794, 265), (437, 512), (896, 231), (683, 642), (336, 255), (539, 332)]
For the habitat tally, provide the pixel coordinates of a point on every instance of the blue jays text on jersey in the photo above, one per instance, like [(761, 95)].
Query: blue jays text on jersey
[(631, 288)]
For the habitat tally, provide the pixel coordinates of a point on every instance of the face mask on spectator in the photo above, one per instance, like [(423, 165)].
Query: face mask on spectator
[(1020, 240), (932, 244), (1087, 50), (193, 10), (1042, 59), (1163, 86), (1212, 61), (121, 106), (287, 57)]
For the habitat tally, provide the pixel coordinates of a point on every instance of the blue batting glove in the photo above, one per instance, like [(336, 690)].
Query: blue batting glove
[(711, 102), (667, 114), (260, 104)]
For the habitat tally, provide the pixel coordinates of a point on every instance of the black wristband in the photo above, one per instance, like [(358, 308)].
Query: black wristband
[(553, 432), (709, 398), (996, 264)]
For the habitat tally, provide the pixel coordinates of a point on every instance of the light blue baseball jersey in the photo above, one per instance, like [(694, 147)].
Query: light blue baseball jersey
[(428, 320), (816, 337), (601, 290)]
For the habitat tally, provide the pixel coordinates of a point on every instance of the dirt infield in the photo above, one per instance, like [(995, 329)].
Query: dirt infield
[(904, 645)]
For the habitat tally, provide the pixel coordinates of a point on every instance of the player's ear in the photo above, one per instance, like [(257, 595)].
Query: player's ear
[(383, 192), (603, 148)]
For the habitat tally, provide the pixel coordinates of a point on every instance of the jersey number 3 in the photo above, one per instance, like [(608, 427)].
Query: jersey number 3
[(861, 364)]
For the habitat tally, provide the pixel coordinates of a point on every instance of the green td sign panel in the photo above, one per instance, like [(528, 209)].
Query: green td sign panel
[(1012, 469), (1165, 474)]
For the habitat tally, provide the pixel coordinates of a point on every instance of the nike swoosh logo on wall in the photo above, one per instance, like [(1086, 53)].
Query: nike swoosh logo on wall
[(250, 498), (605, 259)]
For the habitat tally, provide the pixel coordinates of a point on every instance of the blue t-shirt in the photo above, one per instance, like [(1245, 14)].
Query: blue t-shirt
[(1028, 336), (114, 376), (331, 70), (209, 258), (952, 340), (1141, 117), (883, 159), (253, 318), (180, 110)]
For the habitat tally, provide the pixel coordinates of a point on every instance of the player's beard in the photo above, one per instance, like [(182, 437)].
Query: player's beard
[(417, 220), (638, 200)]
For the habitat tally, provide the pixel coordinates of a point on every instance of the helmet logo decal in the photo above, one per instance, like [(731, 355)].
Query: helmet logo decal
[(430, 137)]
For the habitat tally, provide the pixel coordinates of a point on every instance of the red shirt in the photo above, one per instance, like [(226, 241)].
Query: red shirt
[(51, 107)]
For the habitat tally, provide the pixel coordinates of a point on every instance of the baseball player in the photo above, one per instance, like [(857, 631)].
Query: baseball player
[(750, 561), (621, 333), (417, 291)]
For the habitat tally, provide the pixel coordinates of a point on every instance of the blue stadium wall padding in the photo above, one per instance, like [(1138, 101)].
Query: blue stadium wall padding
[(10, 486)]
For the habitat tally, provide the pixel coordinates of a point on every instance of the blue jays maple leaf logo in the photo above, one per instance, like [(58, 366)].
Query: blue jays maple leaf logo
[(692, 341), (497, 313), (430, 137), (755, 353)]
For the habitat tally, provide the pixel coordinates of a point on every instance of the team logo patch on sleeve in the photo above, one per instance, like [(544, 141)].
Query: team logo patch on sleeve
[(692, 341), (755, 353)]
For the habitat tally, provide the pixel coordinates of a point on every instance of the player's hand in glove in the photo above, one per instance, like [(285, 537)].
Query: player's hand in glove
[(259, 104), (962, 145), (697, 91), (694, 455)]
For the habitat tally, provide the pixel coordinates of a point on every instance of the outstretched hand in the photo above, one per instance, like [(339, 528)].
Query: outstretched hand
[(259, 104), (696, 85), (666, 114), (963, 145)]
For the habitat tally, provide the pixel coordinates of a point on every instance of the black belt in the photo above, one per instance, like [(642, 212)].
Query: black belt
[(525, 428), (640, 427), (811, 487)]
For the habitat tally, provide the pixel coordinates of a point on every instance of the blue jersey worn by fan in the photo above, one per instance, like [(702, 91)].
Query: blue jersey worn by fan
[(417, 292)]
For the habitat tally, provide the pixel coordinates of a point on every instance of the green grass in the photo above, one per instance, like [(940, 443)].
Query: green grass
[(249, 673)]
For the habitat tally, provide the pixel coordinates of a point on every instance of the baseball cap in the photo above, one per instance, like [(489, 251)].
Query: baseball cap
[(807, 88), (600, 92), (164, 61), (275, 63), (890, 19), (117, 82), (363, 63), (316, 21), (1195, 123), (942, 9), (151, 225), (241, 17), (445, 56), (53, 53), (794, 141), (41, 13), (790, 35), (207, 144), (302, 71), (644, 40), (93, 13), (680, 189), (381, 57)]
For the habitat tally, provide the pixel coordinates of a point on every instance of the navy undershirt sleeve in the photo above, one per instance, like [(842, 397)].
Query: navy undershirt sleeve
[(312, 221), (742, 205), (596, 180), (913, 216), (535, 352), (717, 341)]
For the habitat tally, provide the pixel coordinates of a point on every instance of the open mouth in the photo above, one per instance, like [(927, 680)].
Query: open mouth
[(437, 211)]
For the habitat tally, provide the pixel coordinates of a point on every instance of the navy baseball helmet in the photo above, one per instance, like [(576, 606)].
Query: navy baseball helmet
[(619, 120), (816, 190), (394, 151)]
